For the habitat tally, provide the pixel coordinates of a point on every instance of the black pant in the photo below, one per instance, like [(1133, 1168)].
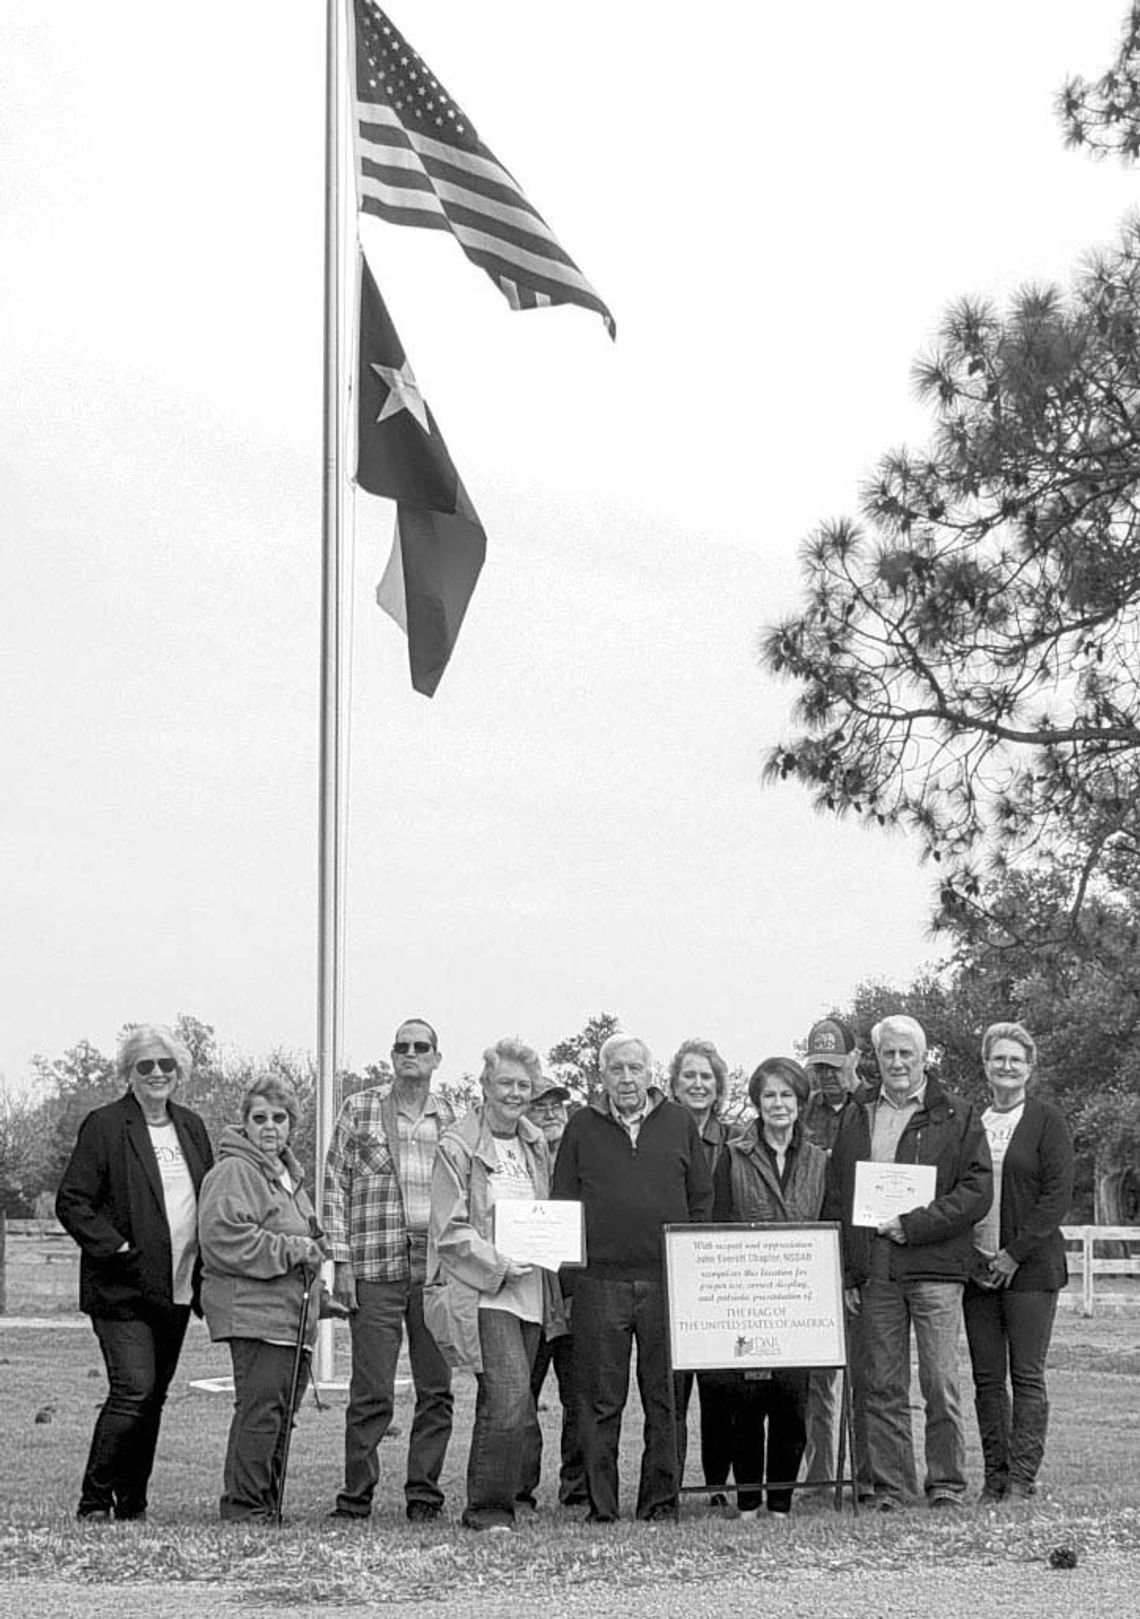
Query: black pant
[(140, 1356), (762, 1421), (1008, 1334), (610, 1316), (716, 1424), (263, 1374), (559, 1353)]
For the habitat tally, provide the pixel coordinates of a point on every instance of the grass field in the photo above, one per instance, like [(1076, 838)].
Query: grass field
[(1088, 1498)]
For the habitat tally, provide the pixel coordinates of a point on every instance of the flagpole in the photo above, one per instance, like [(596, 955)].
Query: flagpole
[(330, 869)]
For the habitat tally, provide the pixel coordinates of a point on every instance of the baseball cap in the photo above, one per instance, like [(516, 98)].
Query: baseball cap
[(829, 1042), (558, 1092)]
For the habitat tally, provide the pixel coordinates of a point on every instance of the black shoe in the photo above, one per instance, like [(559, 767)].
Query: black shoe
[(600, 1517), (339, 1515), (661, 1514), (422, 1512)]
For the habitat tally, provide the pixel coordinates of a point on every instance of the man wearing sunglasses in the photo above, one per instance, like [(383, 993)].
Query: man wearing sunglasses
[(376, 1202)]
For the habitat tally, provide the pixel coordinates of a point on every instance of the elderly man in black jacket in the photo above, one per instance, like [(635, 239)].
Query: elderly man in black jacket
[(636, 1162), (911, 1270)]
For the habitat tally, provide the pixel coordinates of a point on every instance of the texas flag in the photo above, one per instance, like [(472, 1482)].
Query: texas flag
[(439, 544)]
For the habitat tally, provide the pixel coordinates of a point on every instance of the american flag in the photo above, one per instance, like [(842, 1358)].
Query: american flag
[(420, 162)]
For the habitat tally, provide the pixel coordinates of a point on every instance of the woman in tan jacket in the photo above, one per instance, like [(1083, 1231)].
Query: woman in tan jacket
[(258, 1237), (486, 1311)]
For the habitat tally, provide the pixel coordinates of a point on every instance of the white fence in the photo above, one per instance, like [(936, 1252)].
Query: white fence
[(52, 1250), (1089, 1265)]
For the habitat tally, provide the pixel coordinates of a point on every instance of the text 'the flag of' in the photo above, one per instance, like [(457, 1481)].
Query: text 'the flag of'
[(440, 544), (419, 162)]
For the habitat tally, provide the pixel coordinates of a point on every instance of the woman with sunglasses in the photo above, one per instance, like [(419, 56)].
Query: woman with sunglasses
[(261, 1252), (129, 1197), (1011, 1300)]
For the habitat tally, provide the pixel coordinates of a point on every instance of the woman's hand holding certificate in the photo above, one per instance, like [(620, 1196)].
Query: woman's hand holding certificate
[(546, 1232)]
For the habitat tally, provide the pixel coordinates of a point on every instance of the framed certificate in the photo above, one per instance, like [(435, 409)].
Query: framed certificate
[(884, 1190), (543, 1231)]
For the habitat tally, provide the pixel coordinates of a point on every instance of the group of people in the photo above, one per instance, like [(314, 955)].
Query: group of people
[(408, 1223)]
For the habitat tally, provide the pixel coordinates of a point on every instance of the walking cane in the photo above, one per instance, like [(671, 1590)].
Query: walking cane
[(309, 1275)]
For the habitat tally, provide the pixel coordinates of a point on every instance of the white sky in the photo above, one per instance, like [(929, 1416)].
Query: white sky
[(777, 202)]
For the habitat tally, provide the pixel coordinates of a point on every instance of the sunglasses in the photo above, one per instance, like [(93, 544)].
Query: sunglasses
[(165, 1065), (268, 1118), (405, 1048)]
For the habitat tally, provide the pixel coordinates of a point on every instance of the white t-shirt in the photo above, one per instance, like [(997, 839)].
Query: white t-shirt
[(999, 1128), (181, 1208), (523, 1295)]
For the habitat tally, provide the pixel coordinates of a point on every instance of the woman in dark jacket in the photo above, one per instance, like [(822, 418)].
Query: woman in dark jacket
[(259, 1236), (129, 1197), (771, 1174), (698, 1082), (1011, 1301)]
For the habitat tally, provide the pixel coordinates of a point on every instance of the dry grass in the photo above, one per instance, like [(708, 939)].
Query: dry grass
[(1088, 1500)]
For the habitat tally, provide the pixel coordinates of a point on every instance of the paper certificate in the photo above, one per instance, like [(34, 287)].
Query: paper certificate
[(544, 1232), (884, 1190)]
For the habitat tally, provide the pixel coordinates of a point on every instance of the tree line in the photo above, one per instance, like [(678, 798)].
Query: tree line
[(1089, 1063), (38, 1128), (966, 661)]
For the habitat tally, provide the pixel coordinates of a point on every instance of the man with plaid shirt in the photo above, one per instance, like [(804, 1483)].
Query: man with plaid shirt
[(377, 1194)]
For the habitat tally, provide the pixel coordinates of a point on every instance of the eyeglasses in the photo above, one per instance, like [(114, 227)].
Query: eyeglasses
[(1009, 1062), (269, 1118), (165, 1065), (404, 1048)]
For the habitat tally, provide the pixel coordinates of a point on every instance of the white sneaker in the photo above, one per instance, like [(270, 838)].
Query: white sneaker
[(749, 1512)]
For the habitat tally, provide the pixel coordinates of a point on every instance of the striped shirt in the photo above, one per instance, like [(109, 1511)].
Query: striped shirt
[(364, 1210)]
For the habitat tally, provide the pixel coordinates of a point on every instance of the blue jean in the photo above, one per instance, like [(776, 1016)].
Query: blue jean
[(1008, 1333), (384, 1310), (821, 1424), (889, 1310), (140, 1356), (251, 1476), (610, 1316), (825, 1414), (503, 1408)]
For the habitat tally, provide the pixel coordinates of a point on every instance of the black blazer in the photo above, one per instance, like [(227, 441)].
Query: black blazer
[(1036, 1191), (111, 1193)]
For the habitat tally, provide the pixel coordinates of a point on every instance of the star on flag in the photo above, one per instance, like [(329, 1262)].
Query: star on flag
[(403, 393)]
